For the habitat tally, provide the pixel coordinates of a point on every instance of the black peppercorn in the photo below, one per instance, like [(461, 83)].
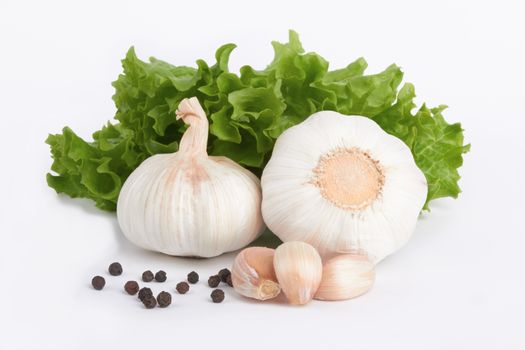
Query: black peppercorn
[(223, 274), (229, 280), (193, 277), (182, 287), (164, 299), (149, 302), (147, 276), (217, 296), (131, 287), (98, 282), (214, 281), (144, 293), (160, 276), (115, 269)]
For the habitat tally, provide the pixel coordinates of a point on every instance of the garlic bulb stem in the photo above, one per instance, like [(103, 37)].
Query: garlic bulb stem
[(195, 139)]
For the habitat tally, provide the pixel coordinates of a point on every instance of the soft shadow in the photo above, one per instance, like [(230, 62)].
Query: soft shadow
[(267, 239), (126, 248), (279, 300)]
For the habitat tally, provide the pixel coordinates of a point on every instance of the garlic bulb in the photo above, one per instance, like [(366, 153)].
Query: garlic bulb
[(343, 185), (253, 275), (188, 203), (298, 268), (345, 277)]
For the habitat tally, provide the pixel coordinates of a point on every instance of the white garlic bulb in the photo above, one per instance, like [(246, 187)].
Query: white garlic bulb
[(346, 276), (253, 274), (343, 185), (188, 203), (298, 268)]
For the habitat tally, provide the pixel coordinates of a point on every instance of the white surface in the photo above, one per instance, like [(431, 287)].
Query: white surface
[(457, 284)]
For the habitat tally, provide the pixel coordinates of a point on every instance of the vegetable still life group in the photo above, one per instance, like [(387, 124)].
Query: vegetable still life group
[(200, 161)]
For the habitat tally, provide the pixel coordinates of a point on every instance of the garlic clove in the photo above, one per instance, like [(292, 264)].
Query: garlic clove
[(253, 275), (298, 268), (346, 276)]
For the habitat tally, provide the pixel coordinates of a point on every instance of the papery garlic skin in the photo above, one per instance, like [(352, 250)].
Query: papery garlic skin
[(253, 275), (346, 276), (343, 185), (190, 204), (298, 268)]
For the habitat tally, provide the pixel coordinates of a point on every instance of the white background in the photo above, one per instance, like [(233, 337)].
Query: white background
[(459, 283)]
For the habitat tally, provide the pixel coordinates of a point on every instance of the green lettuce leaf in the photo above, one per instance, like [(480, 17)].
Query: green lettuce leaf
[(437, 146), (247, 112)]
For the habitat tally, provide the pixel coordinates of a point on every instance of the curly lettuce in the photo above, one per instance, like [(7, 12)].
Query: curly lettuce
[(247, 112)]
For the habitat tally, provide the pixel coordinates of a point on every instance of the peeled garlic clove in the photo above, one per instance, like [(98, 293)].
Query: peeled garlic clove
[(298, 268), (253, 275), (343, 185), (346, 276), (188, 203)]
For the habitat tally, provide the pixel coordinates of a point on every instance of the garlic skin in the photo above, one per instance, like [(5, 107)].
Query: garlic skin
[(253, 275), (346, 276), (298, 268), (188, 203), (343, 185)]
